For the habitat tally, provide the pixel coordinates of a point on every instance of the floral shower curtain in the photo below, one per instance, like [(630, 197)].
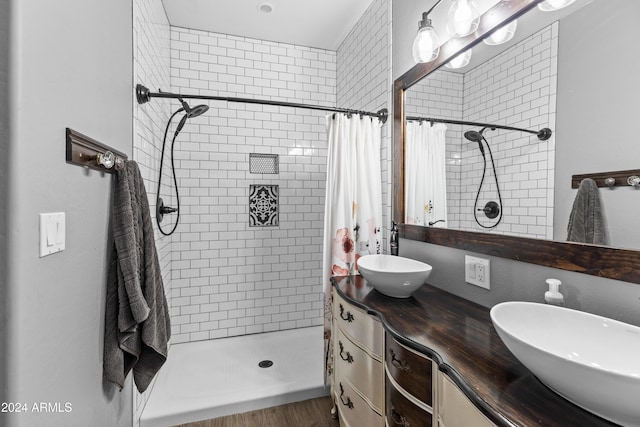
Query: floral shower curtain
[(425, 187), (353, 205)]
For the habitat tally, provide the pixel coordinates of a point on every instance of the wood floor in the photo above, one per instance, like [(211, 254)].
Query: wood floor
[(309, 413)]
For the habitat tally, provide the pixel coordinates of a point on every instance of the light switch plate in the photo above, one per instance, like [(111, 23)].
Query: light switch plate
[(476, 271), (52, 233)]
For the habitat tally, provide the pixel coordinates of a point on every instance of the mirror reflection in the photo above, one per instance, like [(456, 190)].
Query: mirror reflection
[(506, 181)]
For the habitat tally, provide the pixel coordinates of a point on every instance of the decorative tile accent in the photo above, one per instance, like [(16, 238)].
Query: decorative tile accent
[(263, 206), (263, 163)]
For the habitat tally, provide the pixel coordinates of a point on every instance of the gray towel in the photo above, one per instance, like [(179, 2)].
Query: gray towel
[(137, 326), (586, 222)]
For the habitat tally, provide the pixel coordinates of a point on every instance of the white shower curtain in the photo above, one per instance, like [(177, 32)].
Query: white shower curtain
[(353, 204), (425, 174)]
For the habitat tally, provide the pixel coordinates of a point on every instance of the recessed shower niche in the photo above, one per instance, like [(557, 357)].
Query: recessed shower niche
[(263, 163)]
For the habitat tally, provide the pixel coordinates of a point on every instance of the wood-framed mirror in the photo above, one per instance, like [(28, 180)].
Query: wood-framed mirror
[(602, 261)]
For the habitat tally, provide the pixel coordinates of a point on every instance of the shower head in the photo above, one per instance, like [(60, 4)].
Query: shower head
[(189, 113), (195, 111)]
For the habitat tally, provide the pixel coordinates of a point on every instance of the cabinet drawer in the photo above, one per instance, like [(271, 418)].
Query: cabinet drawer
[(360, 369), (353, 409), (365, 330), (410, 370), (455, 409), (402, 412)]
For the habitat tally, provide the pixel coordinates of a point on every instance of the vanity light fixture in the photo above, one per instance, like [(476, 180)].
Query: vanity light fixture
[(426, 45), (551, 5), (503, 34), (460, 60), (463, 18)]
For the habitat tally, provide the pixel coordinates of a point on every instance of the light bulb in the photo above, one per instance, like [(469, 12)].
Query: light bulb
[(551, 5), (462, 19), (426, 45), (460, 61), (503, 34)]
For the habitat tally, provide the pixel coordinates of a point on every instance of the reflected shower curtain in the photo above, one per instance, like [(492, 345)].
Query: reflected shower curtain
[(426, 186), (353, 205)]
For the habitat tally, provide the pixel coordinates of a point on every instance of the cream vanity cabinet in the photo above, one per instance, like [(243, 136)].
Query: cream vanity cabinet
[(388, 353), (455, 409), (419, 395), (409, 386), (358, 370), (378, 381)]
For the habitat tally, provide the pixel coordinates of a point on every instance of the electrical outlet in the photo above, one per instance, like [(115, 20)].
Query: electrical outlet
[(480, 273), (476, 271)]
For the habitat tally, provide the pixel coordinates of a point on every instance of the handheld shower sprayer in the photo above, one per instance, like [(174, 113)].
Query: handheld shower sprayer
[(189, 113), (475, 136), (161, 208), (491, 209), (196, 111)]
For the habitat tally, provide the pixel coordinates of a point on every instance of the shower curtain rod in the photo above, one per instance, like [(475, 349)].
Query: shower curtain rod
[(543, 134), (143, 95)]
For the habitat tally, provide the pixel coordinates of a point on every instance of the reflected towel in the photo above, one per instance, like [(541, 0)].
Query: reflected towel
[(586, 222), (137, 328)]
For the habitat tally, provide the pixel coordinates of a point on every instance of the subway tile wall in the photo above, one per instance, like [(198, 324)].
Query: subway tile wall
[(516, 88), (151, 61), (365, 83), (228, 278)]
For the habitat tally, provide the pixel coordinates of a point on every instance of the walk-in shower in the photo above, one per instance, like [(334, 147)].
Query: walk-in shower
[(144, 95)]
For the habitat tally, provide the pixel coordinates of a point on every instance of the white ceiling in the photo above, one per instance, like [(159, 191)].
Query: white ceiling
[(314, 23)]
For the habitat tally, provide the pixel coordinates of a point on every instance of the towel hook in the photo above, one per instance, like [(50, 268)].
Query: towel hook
[(610, 182), (634, 181), (109, 160)]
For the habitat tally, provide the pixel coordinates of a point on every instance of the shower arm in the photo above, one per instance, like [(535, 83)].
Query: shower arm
[(143, 95), (542, 134)]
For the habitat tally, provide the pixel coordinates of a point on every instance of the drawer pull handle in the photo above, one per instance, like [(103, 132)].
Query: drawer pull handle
[(348, 317), (399, 364), (349, 357), (348, 403), (398, 419)]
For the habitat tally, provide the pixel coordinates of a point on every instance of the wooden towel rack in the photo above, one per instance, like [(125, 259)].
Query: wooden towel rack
[(89, 153), (624, 178)]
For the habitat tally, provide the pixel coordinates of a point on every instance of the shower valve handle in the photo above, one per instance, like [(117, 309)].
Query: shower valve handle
[(162, 210), (491, 209), (167, 210)]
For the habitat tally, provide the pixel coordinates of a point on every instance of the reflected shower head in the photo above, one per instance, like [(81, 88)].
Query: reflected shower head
[(473, 136)]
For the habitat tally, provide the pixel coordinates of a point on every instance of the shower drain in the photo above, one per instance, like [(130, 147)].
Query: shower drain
[(265, 364)]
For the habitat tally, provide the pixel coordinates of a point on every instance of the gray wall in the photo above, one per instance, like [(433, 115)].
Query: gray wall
[(513, 280), (70, 66), (597, 109), (4, 189)]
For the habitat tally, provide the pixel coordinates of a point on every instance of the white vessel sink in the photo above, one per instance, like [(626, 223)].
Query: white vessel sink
[(590, 360), (394, 276)]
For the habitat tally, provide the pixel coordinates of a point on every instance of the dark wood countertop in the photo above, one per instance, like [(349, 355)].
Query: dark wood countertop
[(459, 335)]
